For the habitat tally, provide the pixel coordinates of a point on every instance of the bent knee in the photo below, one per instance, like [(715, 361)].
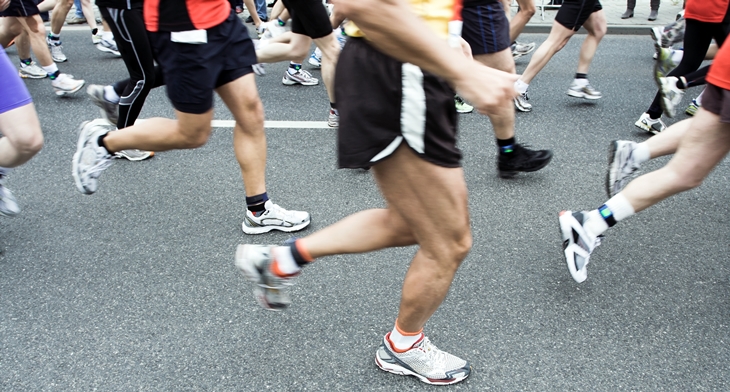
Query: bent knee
[(30, 144), (194, 138)]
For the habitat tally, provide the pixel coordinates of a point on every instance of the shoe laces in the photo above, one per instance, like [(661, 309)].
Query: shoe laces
[(434, 356), (304, 73), (279, 212)]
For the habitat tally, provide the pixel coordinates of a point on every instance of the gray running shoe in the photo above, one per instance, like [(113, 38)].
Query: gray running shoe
[(109, 110), (521, 103), (90, 159), (8, 204), (653, 15), (693, 107), (424, 361), (671, 95), (520, 49), (301, 76), (31, 71), (108, 46), (646, 123), (578, 244), (587, 91), (255, 262), (621, 166), (665, 37), (56, 50), (134, 154), (275, 218)]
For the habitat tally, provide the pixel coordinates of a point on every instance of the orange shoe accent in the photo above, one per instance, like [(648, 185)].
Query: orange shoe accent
[(394, 348), (305, 254), (152, 153)]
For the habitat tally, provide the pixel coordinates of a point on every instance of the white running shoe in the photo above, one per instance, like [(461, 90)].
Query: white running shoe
[(109, 110), (315, 60), (90, 159), (578, 244), (271, 29), (424, 361), (521, 103), (134, 154), (108, 46), (671, 95), (255, 261), (8, 204), (96, 38), (621, 165), (31, 71), (65, 84), (521, 49), (333, 119), (56, 50), (646, 123), (275, 218), (585, 91), (301, 76)]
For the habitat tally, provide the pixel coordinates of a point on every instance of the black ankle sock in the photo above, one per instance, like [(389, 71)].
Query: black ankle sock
[(506, 146), (581, 76), (256, 204), (54, 75), (26, 61), (682, 83), (333, 105), (298, 258), (100, 141), (295, 66), (94, 31)]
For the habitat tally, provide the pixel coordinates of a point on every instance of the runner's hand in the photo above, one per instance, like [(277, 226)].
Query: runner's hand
[(4, 4), (485, 88)]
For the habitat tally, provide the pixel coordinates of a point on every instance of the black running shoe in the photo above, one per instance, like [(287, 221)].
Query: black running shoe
[(522, 159)]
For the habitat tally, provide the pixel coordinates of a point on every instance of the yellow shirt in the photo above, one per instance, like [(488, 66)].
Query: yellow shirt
[(436, 13)]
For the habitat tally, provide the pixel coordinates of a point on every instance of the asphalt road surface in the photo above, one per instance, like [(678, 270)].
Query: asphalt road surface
[(134, 287)]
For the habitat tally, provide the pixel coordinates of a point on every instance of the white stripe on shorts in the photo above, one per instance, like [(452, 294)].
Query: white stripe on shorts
[(413, 108)]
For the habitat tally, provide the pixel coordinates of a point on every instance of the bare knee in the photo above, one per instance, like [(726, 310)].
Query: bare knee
[(28, 143), (194, 137), (528, 9), (299, 51)]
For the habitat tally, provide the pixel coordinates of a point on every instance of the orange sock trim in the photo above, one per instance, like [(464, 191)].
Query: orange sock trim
[(404, 333), (303, 252)]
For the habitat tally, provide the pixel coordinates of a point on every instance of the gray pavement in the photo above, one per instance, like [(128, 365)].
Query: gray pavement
[(134, 288)]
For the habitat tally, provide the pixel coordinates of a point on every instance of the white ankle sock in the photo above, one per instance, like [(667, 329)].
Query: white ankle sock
[(521, 87), (582, 82), (595, 224), (111, 95), (403, 342), (620, 207), (641, 153), (50, 69), (285, 260)]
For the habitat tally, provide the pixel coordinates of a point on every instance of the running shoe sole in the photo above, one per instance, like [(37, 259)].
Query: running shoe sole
[(612, 169), (77, 157), (265, 229), (30, 76), (62, 93), (580, 94), (291, 82), (566, 232), (269, 298)]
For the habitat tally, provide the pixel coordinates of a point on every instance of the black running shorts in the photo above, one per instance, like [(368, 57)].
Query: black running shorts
[(384, 103), (193, 71), (21, 8), (573, 13), (716, 100), (308, 17), (485, 28)]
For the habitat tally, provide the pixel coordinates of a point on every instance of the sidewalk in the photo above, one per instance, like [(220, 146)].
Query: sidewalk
[(612, 9)]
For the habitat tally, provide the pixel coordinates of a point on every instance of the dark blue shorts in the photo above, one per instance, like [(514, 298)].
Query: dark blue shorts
[(193, 71), (21, 8), (485, 28)]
